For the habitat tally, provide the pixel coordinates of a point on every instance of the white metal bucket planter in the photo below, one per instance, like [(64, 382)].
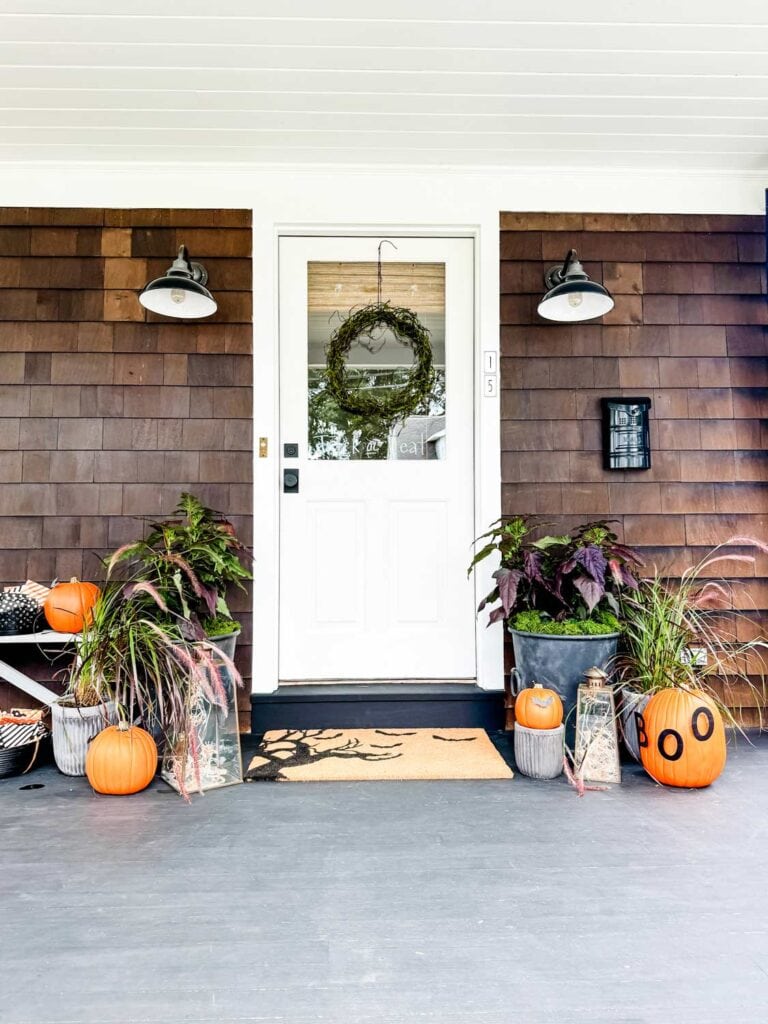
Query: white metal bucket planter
[(73, 729)]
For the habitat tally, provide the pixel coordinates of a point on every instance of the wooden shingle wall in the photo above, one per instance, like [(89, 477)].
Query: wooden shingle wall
[(688, 330), (107, 412)]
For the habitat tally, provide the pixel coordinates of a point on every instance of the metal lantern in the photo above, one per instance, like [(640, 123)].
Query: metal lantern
[(597, 742)]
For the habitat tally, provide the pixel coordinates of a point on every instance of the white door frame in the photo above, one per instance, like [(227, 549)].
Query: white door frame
[(266, 487)]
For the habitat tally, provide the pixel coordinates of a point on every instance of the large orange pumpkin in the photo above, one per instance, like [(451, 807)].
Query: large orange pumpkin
[(68, 606), (538, 708), (122, 759), (682, 738)]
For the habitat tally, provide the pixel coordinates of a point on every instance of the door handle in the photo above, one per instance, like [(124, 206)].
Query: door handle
[(290, 481)]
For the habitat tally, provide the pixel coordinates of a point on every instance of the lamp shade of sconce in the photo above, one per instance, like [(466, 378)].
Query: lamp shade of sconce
[(571, 297), (181, 291)]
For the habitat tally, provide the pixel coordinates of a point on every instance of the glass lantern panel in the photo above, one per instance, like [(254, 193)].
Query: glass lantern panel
[(597, 745)]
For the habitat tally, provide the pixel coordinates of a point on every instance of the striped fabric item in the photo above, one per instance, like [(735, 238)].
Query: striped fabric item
[(36, 591), (18, 727)]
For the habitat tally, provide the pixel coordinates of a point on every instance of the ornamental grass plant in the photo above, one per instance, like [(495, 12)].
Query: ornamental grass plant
[(684, 632), (135, 651), (148, 644)]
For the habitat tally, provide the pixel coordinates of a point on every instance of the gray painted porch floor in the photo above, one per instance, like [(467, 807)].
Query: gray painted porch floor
[(387, 903)]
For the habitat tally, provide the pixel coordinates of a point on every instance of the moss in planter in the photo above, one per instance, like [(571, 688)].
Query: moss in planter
[(534, 622), (220, 626)]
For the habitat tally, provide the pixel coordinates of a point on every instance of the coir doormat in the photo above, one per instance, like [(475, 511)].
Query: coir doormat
[(376, 755)]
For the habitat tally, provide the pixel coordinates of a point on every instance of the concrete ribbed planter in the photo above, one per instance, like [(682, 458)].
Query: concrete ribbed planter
[(632, 703), (73, 729), (539, 752)]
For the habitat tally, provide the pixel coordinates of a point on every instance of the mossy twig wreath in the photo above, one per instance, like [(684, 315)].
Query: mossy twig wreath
[(409, 330)]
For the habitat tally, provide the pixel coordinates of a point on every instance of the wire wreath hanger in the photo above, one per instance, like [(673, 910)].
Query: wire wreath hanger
[(367, 341), (384, 241), (373, 344)]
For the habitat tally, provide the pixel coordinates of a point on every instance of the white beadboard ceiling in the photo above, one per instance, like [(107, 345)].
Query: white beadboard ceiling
[(508, 83)]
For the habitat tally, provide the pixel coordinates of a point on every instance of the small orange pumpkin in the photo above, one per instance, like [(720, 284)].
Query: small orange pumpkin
[(538, 708), (68, 606), (682, 738), (122, 759)]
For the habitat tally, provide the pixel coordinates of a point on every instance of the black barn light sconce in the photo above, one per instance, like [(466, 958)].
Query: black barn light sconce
[(626, 433), (571, 297), (181, 291)]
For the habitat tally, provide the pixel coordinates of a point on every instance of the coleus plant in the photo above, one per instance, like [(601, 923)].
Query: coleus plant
[(572, 576)]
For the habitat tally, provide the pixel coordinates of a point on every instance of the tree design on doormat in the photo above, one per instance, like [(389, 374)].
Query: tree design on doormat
[(293, 748)]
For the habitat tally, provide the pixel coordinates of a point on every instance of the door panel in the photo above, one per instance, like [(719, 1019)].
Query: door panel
[(417, 542), (375, 543), (338, 582)]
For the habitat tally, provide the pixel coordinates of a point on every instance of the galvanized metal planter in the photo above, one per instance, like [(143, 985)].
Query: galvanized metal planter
[(226, 643), (560, 662), (539, 752)]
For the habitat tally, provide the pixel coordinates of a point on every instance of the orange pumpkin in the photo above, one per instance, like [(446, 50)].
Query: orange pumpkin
[(538, 708), (68, 606), (682, 738), (122, 759)]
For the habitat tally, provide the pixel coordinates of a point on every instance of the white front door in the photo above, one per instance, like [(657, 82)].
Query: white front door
[(375, 536)]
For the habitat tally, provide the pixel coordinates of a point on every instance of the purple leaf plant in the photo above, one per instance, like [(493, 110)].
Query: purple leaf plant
[(573, 576)]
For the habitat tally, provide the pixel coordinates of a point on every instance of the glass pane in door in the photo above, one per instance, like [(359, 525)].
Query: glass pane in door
[(379, 362)]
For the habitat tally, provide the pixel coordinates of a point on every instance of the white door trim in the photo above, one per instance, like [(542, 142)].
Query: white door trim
[(266, 488)]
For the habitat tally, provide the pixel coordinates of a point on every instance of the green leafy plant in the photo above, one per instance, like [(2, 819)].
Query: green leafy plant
[(576, 576), (190, 560), (668, 620)]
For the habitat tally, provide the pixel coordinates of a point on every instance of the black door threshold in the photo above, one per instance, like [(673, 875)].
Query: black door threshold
[(377, 706)]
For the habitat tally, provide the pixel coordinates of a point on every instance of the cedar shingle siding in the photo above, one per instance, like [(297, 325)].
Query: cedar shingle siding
[(689, 330), (107, 412)]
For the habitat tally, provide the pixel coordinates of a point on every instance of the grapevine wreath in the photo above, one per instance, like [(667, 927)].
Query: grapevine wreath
[(409, 330)]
